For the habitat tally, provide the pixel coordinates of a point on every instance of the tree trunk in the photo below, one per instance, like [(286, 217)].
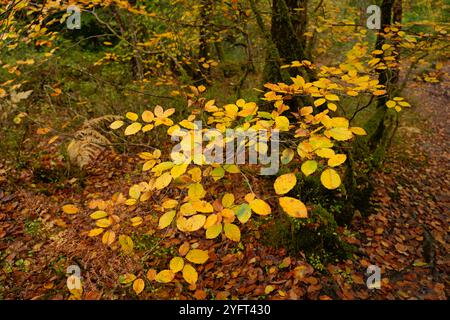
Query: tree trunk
[(206, 9), (289, 23)]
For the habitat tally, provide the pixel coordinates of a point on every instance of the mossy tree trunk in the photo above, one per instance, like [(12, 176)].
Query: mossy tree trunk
[(206, 10), (370, 151), (288, 27)]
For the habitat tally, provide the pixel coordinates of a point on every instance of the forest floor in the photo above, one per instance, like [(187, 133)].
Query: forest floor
[(406, 236)]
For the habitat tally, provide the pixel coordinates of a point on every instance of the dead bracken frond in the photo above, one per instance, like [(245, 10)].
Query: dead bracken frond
[(88, 141)]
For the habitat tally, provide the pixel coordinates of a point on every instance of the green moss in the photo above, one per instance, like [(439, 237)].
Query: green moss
[(315, 236)]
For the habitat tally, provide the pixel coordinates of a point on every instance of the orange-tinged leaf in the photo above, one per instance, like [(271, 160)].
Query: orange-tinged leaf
[(165, 276), (284, 183), (293, 207), (191, 224), (70, 209), (132, 116), (337, 160), (147, 116), (190, 274), (197, 256), (138, 286), (319, 102), (151, 274), (358, 131), (103, 223), (260, 207), (184, 248), (108, 237)]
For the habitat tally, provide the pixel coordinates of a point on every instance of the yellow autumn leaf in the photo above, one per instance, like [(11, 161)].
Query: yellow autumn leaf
[(169, 204), (163, 181), (130, 202), (325, 152), (178, 170), (176, 264), (332, 97), (260, 207), (132, 116), (202, 206), (191, 224), (70, 209), (127, 278), (228, 200), (166, 219), (103, 223), (126, 243), (98, 215), (337, 160), (293, 207), (196, 191), (330, 179), (332, 106), (391, 104), (133, 128), (147, 116), (213, 231), (268, 289), (284, 183), (95, 232), (309, 167), (135, 221), (116, 124), (197, 256), (319, 102), (341, 133), (282, 123), (287, 156), (232, 232), (135, 191), (211, 220), (339, 122), (148, 165), (138, 285), (187, 209), (165, 276), (147, 127), (190, 274), (358, 131), (108, 237)]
